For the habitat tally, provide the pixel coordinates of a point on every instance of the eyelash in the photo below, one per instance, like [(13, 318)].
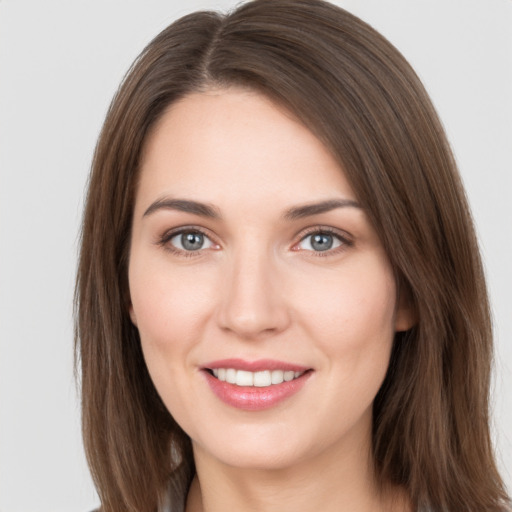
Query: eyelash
[(169, 235), (345, 241)]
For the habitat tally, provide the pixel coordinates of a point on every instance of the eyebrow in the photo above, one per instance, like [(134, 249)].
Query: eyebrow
[(184, 205), (210, 211), (307, 210)]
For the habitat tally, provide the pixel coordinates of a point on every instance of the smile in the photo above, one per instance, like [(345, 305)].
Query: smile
[(257, 385), (259, 379)]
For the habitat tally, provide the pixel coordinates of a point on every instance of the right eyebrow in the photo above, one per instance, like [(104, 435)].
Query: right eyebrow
[(184, 205), (307, 210)]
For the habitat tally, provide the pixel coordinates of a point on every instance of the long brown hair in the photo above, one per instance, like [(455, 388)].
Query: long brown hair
[(360, 97)]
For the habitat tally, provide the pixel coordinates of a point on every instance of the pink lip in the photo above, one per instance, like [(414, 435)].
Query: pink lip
[(255, 366), (250, 398)]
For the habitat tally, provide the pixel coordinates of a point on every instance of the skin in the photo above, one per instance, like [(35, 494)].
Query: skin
[(257, 290)]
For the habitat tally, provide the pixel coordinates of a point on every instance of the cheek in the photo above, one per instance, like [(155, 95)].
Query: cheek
[(350, 317), (171, 306), (350, 314), (168, 302)]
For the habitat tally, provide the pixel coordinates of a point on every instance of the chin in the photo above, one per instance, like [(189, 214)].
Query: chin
[(269, 447), (259, 459)]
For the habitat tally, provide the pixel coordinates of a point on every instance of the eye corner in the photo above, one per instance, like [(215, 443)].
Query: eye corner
[(172, 241), (339, 242)]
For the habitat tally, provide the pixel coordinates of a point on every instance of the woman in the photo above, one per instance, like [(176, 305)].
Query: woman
[(280, 298)]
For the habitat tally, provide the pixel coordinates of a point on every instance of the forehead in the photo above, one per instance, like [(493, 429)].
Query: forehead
[(233, 143)]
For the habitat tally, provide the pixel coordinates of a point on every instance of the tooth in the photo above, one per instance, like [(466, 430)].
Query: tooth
[(231, 375), (277, 376), (289, 376), (262, 379), (244, 378)]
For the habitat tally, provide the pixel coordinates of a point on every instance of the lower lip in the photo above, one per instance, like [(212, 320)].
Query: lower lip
[(251, 398)]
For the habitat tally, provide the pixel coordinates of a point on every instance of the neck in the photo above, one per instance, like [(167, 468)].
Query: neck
[(335, 480)]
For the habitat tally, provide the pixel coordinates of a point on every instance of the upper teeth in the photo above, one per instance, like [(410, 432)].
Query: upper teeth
[(259, 379)]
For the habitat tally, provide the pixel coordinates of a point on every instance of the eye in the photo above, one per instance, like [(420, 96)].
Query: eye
[(321, 241), (190, 241)]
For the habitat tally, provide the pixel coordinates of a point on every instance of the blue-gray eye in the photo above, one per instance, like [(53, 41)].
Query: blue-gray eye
[(320, 241), (191, 241)]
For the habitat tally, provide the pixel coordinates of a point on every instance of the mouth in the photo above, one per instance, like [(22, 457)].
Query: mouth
[(255, 386), (260, 379)]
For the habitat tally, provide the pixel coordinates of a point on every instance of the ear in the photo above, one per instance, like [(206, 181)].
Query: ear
[(127, 302), (133, 317), (406, 315)]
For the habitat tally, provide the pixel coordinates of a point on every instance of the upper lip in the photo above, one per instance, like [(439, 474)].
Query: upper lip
[(255, 366)]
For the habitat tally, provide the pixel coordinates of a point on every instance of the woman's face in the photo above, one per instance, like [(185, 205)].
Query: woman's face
[(251, 264)]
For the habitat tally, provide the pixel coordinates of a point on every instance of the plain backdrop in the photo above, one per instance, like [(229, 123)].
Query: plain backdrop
[(60, 63)]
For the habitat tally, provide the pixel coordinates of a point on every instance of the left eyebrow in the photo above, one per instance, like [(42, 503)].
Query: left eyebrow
[(184, 205), (299, 212)]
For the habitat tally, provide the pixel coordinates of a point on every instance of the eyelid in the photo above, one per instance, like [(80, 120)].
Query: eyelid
[(164, 239), (344, 237)]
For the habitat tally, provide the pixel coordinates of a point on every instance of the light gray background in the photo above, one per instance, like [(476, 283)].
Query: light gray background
[(60, 63)]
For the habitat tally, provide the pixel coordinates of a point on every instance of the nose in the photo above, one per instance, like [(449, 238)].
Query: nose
[(253, 302)]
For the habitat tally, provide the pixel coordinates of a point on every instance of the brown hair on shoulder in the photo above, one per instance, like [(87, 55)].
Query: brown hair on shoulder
[(360, 97)]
